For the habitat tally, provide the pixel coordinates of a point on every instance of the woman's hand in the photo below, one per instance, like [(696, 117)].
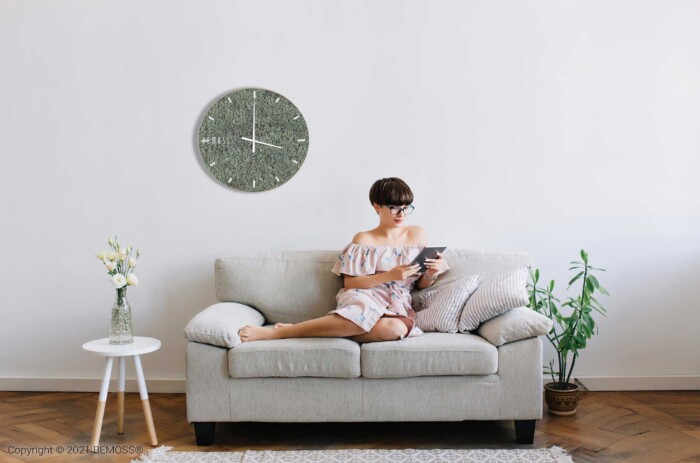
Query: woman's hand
[(436, 266), (401, 272)]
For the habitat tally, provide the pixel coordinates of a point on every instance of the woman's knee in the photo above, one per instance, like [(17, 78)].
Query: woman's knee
[(393, 328)]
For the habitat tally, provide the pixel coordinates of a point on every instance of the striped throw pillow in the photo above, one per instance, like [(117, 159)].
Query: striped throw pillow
[(443, 306), (495, 296)]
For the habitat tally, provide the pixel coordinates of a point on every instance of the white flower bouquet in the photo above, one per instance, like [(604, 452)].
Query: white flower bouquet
[(120, 264)]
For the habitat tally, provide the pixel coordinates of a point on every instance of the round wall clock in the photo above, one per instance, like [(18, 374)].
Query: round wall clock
[(253, 139)]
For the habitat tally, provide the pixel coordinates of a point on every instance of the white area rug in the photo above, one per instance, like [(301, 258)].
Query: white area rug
[(552, 454)]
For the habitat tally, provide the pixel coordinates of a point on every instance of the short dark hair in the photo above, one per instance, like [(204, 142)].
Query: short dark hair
[(390, 191)]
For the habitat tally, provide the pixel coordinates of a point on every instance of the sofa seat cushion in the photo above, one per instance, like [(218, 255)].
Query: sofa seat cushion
[(295, 357), (432, 354)]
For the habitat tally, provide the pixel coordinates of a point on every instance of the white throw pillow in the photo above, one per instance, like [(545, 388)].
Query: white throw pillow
[(494, 296), (218, 324), (442, 307), (514, 325)]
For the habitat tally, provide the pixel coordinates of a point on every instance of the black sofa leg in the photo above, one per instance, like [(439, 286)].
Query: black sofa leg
[(204, 432), (525, 431)]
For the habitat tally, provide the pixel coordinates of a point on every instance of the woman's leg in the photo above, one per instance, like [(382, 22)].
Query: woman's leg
[(386, 329), (330, 326)]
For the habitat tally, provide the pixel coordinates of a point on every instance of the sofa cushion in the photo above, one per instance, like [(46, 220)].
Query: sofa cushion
[(464, 262), (441, 309), (296, 286), (514, 325), (288, 287), (495, 296), (432, 354), (218, 324), (295, 357)]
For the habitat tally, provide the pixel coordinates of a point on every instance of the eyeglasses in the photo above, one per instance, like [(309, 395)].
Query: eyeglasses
[(406, 209)]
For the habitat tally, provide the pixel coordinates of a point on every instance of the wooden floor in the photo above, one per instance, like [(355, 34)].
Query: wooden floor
[(615, 427)]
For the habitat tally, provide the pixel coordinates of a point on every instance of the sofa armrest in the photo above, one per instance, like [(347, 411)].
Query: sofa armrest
[(520, 379), (514, 325), (218, 324)]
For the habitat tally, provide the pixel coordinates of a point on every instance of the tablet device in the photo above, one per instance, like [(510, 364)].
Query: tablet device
[(429, 252)]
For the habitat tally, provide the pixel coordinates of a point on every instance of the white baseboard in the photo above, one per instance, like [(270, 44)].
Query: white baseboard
[(638, 383), (592, 383), (87, 385)]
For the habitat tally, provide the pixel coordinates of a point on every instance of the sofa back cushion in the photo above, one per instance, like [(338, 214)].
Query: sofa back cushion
[(294, 286), (288, 287), (464, 262)]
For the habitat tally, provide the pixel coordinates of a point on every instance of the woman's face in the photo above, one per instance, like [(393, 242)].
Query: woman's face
[(388, 219)]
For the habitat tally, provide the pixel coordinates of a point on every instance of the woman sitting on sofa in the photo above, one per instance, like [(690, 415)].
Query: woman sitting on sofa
[(375, 303)]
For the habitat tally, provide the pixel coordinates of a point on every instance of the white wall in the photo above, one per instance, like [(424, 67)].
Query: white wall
[(539, 126)]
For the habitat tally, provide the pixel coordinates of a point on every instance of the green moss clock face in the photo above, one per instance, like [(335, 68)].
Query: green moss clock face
[(253, 140)]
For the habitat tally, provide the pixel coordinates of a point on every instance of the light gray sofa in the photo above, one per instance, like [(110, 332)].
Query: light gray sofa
[(433, 377)]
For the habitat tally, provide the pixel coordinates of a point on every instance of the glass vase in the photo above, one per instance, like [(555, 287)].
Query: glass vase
[(121, 330)]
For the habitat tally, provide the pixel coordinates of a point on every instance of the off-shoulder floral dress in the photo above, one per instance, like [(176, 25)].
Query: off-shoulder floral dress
[(365, 307)]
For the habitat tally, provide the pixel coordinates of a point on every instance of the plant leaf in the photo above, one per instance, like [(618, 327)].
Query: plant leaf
[(589, 285), (578, 275), (594, 280)]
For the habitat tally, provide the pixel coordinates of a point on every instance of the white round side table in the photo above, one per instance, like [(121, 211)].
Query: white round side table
[(141, 345)]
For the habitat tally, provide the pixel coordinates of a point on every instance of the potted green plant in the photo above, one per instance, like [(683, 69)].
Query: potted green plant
[(560, 394)]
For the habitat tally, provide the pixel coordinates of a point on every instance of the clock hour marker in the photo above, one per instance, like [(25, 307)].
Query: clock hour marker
[(295, 161), (277, 100), (277, 179), (230, 180), (253, 183), (253, 93), (229, 99), (205, 140), (296, 118), (210, 118), (212, 164), (301, 140)]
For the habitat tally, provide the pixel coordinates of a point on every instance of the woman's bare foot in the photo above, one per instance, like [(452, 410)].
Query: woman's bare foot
[(277, 325), (256, 333)]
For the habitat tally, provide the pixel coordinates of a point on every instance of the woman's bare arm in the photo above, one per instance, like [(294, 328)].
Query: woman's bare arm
[(423, 281)]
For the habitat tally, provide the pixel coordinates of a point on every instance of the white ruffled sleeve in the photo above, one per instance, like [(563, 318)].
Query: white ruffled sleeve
[(356, 260)]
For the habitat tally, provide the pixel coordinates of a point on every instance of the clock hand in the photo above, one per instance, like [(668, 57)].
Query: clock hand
[(262, 143), (253, 140)]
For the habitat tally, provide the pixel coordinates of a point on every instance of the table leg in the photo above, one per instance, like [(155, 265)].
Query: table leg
[(120, 396), (97, 428), (144, 401)]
